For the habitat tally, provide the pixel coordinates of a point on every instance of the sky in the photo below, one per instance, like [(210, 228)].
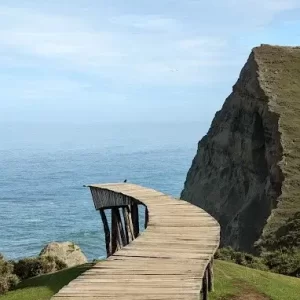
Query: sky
[(131, 61)]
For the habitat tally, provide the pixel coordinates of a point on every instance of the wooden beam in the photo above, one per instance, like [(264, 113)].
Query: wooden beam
[(114, 231), (121, 234), (128, 224), (135, 219), (204, 292), (106, 232), (146, 216), (211, 276)]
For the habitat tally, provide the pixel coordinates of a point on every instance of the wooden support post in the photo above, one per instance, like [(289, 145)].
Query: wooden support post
[(106, 232), (121, 234), (128, 224), (204, 291), (146, 217), (114, 231), (135, 219), (211, 276)]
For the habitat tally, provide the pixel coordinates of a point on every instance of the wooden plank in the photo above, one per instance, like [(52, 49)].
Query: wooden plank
[(128, 224)]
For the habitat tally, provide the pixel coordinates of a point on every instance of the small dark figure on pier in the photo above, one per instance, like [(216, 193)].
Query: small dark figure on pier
[(125, 180)]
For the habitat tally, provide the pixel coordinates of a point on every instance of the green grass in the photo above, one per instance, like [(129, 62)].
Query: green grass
[(231, 282), (45, 286)]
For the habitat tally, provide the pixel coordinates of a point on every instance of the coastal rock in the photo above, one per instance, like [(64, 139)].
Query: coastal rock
[(246, 172), (68, 252)]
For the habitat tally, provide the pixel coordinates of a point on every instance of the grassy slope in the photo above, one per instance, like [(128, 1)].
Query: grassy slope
[(279, 75), (231, 281), (45, 286)]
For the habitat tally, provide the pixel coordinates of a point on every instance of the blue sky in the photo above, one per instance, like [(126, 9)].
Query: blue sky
[(112, 61)]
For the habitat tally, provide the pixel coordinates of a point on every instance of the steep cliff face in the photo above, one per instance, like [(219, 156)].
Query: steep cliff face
[(246, 172)]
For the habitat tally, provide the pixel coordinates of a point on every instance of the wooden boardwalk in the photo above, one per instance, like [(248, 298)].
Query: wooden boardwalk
[(171, 259)]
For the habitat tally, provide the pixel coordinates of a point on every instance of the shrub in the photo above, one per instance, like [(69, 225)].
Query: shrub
[(8, 280), (287, 236), (241, 258), (30, 267), (5, 267), (284, 261), (4, 285), (11, 272), (60, 265)]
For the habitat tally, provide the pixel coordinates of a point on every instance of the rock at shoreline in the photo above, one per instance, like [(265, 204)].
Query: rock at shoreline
[(67, 252)]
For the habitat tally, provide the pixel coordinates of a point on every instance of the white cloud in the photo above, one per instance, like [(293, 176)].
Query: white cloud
[(118, 53), (258, 13), (144, 48), (126, 50), (35, 91), (147, 22)]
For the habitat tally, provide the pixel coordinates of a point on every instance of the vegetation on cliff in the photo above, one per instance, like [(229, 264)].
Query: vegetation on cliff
[(281, 261)]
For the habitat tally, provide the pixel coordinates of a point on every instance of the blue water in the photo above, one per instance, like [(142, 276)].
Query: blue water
[(44, 167)]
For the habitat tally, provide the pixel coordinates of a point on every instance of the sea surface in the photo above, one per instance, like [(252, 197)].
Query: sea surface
[(43, 168)]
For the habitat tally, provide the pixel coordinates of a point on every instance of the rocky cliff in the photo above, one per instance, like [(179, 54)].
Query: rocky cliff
[(246, 172)]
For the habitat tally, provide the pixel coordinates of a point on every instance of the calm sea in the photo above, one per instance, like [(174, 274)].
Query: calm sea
[(44, 167)]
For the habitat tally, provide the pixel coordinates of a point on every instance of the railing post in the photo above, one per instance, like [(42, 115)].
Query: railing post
[(121, 233), (146, 216), (106, 232), (204, 291), (128, 225), (135, 219), (211, 276), (114, 231)]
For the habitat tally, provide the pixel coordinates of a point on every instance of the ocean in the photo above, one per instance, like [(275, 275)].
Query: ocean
[(44, 167)]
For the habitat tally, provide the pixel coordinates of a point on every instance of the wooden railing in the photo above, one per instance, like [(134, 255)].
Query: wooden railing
[(172, 259)]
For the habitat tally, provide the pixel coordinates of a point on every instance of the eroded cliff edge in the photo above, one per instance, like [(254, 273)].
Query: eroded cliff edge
[(246, 172)]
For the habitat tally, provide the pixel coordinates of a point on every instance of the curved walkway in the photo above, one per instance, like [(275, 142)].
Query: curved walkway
[(167, 261)]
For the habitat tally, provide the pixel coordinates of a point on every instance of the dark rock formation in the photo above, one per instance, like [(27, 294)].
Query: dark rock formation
[(246, 172)]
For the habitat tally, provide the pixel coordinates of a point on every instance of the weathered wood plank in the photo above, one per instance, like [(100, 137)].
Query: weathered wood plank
[(130, 223)]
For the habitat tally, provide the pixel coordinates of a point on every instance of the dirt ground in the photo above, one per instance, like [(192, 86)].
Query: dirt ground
[(248, 293)]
